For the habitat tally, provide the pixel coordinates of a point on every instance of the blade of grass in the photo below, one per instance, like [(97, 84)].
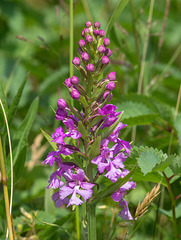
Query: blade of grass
[(117, 11)]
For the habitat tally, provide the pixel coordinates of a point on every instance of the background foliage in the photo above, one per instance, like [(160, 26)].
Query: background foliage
[(34, 62)]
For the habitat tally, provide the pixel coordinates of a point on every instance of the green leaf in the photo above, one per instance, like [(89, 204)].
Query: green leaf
[(73, 110), (140, 120), (109, 130), (176, 165), (83, 131), (113, 187), (117, 11), (49, 139), (164, 164), (49, 204), (14, 105), (4, 103), (149, 158), (23, 131), (177, 124), (95, 148)]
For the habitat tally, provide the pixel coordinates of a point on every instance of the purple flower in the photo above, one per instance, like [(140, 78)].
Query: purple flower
[(96, 32), (52, 157), (110, 86), (81, 43), (114, 135), (88, 24), (101, 33), (106, 94), (61, 103), (83, 34), (58, 136), (74, 80), (67, 82), (125, 213), (101, 49), (105, 60), (108, 52), (106, 41), (86, 31), (85, 56), (97, 25), (76, 61), (90, 67), (61, 114), (112, 76), (89, 39), (59, 202), (55, 182), (121, 144), (76, 185), (75, 94), (71, 131)]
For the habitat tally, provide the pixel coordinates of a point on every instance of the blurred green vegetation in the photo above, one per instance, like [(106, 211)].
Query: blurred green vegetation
[(34, 40)]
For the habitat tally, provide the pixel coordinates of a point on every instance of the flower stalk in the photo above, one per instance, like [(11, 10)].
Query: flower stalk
[(5, 189)]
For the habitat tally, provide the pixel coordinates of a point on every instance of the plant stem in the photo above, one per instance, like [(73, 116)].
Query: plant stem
[(77, 222), (5, 189), (92, 222), (173, 207), (71, 39)]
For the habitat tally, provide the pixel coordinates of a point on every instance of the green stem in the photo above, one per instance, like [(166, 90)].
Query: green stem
[(77, 222), (71, 39), (92, 222), (174, 220), (5, 189)]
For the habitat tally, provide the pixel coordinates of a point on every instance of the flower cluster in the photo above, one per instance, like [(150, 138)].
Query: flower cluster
[(97, 125)]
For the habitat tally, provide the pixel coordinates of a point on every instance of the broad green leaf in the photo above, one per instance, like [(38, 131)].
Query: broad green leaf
[(14, 106), (117, 11), (49, 139), (113, 187), (140, 120), (164, 164), (95, 148), (109, 130), (149, 158), (176, 165), (168, 213), (48, 203), (23, 131)]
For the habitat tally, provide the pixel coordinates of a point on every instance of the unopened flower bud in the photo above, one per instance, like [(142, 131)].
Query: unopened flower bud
[(108, 52), (105, 95), (74, 80), (105, 60), (96, 32), (76, 61), (101, 49), (97, 25), (86, 30), (67, 82), (110, 86), (81, 43), (112, 76), (88, 24), (85, 56), (83, 34), (90, 67), (106, 41), (101, 33), (89, 38), (61, 103), (80, 51), (75, 94)]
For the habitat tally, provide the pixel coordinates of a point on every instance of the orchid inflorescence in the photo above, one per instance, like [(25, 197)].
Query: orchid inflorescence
[(83, 151)]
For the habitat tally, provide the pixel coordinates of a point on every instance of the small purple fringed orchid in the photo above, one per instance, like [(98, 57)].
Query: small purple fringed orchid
[(89, 144)]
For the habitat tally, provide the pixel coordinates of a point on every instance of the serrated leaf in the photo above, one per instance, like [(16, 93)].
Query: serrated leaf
[(140, 120), (13, 108), (164, 164), (176, 165), (109, 130), (113, 187), (148, 159), (95, 148), (23, 131), (49, 139)]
